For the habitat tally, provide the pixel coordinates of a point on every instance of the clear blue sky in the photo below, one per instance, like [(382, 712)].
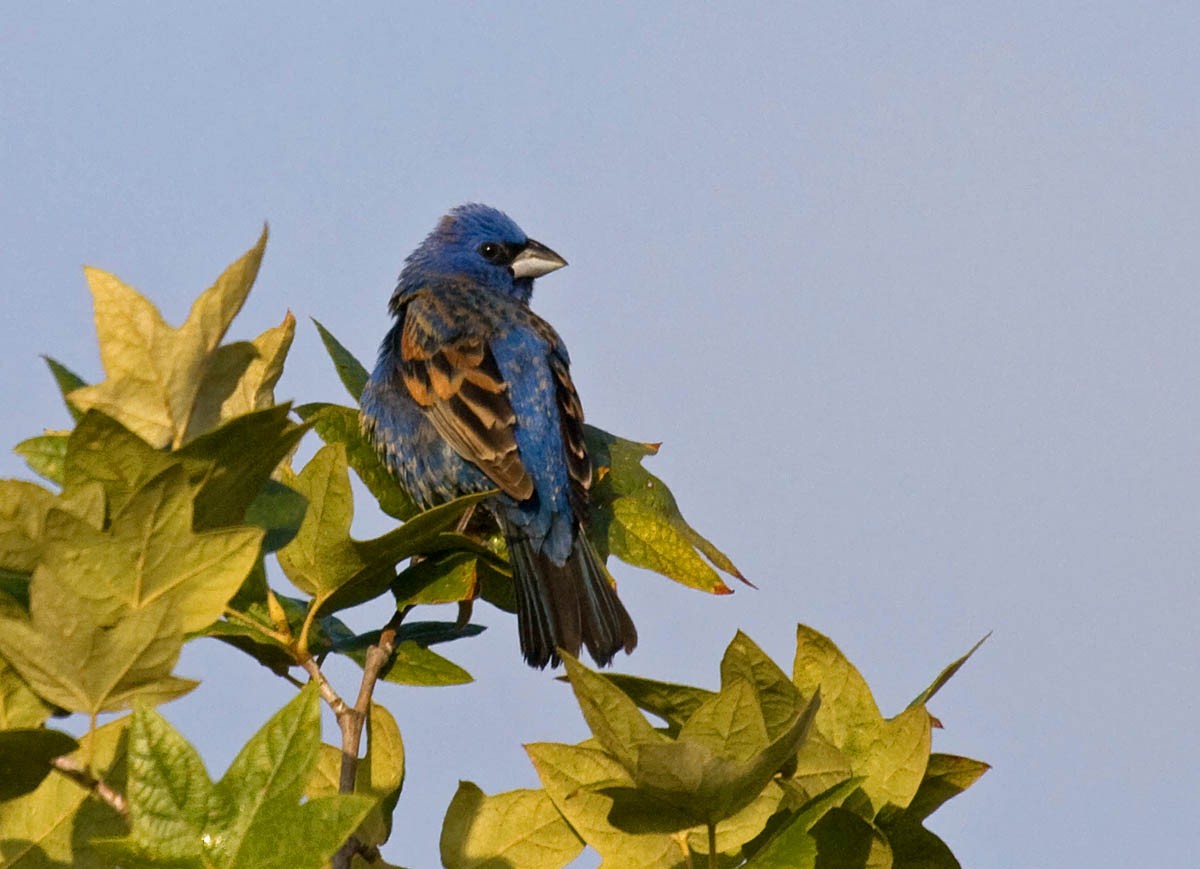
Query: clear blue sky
[(910, 294)]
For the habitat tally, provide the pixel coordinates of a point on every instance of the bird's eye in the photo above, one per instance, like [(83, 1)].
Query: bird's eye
[(491, 251)]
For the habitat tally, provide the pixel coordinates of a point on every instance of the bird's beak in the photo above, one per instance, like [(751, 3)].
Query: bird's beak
[(535, 260)]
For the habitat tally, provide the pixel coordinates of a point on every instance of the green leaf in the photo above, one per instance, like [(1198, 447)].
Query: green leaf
[(889, 754), (671, 702), (325, 562), (241, 377), (45, 455), (914, 846), (25, 756), (326, 633), (721, 761), (279, 510), (322, 557), (154, 372), (108, 609), (570, 775), (729, 724), (178, 814), (516, 828), (73, 659), (68, 381), (946, 776), (820, 765), (611, 715), (446, 578), (425, 534), (232, 464), (54, 825), (351, 372), (774, 693), (23, 509), (149, 553), (19, 706), (415, 664), (793, 846), (170, 795), (101, 450), (636, 518), (336, 424), (946, 674)]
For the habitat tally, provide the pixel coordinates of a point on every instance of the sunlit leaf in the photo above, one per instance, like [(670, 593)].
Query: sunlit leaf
[(150, 553), (516, 828), (45, 455), (889, 754), (23, 509), (154, 373), (611, 715), (72, 659), (241, 377), (569, 774), (19, 705), (53, 826), (635, 517), (178, 814), (322, 557)]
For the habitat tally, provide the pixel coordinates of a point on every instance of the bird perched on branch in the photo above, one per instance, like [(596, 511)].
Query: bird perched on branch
[(472, 391)]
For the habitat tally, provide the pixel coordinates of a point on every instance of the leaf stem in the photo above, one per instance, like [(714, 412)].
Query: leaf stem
[(315, 604), (713, 863), (79, 774), (236, 616)]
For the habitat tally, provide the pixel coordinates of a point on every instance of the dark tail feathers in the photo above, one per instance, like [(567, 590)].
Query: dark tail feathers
[(566, 606)]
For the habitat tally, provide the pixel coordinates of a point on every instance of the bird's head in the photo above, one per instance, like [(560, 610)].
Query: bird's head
[(484, 245)]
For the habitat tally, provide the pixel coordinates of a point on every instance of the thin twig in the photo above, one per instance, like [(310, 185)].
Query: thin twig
[(351, 724), (79, 774), (336, 703)]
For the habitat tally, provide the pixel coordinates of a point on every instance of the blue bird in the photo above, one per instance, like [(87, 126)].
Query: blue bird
[(473, 391)]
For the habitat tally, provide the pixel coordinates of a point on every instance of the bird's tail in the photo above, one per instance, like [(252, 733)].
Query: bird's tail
[(566, 606)]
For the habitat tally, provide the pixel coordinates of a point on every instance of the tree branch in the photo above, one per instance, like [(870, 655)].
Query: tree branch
[(78, 773), (351, 724)]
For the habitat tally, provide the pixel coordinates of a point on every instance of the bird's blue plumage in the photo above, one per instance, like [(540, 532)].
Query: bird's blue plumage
[(472, 391)]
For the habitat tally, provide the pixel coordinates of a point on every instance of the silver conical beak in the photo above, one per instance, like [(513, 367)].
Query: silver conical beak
[(535, 260)]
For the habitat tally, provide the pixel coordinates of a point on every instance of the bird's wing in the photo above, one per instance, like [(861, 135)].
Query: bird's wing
[(449, 370), (570, 418)]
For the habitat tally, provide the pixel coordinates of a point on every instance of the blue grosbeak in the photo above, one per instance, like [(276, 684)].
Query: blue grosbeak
[(472, 391)]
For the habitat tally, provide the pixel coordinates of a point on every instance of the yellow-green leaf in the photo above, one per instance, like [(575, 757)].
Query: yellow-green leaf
[(889, 754), (150, 553), (636, 518), (569, 774), (516, 828), (154, 373), (54, 825)]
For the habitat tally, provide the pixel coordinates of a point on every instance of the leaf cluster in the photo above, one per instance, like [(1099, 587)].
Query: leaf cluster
[(767, 771)]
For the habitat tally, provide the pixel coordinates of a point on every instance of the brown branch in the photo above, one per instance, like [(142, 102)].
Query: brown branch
[(79, 774), (378, 655)]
